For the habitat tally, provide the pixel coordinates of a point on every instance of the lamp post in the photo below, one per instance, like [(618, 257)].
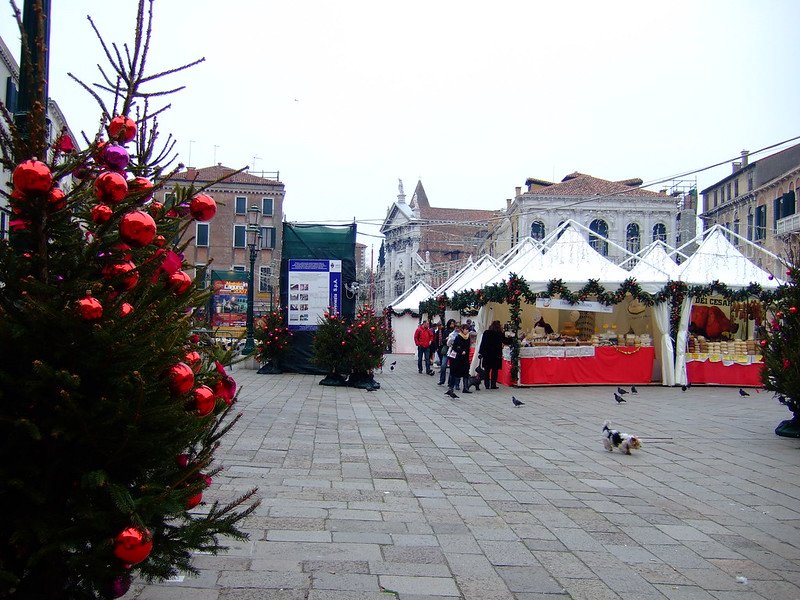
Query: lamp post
[(253, 237)]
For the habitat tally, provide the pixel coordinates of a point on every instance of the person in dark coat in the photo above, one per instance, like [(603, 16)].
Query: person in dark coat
[(490, 352), (459, 360)]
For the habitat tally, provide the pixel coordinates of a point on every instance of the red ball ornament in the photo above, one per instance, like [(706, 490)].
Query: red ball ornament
[(137, 228), (779, 314), (156, 209), (124, 275), (89, 308), (179, 282), (786, 363), (56, 199), (101, 213), (125, 309), (182, 460), (141, 185), (763, 343), (204, 400), (193, 501), (160, 241), (793, 310), (193, 360), (203, 207), (110, 187), (133, 545), (194, 338), (122, 129), (181, 379), (32, 177)]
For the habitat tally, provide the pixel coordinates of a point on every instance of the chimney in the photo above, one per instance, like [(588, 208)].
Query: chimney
[(745, 155), (518, 190), (508, 204), (737, 166)]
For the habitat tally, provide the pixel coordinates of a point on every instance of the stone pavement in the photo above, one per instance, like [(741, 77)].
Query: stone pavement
[(405, 493)]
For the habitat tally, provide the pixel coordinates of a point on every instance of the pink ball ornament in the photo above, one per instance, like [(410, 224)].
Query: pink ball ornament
[(125, 309), (116, 157), (204, 400), (89, 308), (101, 213), (793, 310), (137, 228), (181, 379)]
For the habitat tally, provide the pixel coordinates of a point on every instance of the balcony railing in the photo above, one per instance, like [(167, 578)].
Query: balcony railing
[(788, 224)]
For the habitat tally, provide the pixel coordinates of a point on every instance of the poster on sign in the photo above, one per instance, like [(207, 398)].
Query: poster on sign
[(314, 286), (229, 299)]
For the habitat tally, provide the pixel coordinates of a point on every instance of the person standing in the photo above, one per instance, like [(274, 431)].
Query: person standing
[(436, 344), (490, 353), (423, 337), (447, 340), (459, 361)]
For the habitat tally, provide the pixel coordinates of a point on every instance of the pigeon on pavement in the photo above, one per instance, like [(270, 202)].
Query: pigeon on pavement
[(621, 391), (742, 392), (634, 390), (619, 398), (517, 402)]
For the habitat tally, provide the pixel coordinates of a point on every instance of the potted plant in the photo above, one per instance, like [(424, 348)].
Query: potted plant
[(368, 336), (330, 349), (272, 340)]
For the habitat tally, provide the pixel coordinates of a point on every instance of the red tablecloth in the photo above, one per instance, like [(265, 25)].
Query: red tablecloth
[(610, 364), (705, 371)]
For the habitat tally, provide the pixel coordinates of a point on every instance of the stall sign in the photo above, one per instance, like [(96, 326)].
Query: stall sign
[(561, 304), (315, 286)]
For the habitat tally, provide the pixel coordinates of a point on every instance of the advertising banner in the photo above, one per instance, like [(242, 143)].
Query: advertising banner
[(315, 285), (586, 305), (229, 299)]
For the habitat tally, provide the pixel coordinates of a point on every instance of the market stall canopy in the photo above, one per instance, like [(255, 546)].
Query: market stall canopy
[(572, 259), (655, 268), (411, 298), (470, 279), (716, 259)]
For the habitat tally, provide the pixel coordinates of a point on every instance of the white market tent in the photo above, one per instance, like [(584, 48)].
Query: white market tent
[(403, 325), (716, 259)]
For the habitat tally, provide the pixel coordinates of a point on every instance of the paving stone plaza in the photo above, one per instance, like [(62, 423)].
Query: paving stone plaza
[(405, 493)]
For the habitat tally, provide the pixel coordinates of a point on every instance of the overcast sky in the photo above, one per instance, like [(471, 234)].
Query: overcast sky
[(344, 98)]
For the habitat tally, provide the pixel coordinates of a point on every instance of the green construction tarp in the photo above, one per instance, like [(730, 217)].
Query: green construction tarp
[(303, 245)]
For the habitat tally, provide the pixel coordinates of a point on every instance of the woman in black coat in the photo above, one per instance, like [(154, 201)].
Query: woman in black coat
[(459, 360), (491, 354)]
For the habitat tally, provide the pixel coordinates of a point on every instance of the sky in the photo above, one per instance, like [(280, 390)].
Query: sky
[(346, 98)]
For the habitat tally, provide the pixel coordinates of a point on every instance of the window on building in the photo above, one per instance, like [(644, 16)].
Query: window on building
[(268, 237), (399, 284), (599, 228), (715, 197), (633, 241), (750, 182), (201, 235), (3, 225), (200, 272), (239, 268), (788, 204), (659, 232), (761, 222), (736, 187), (264, 279), (537, 230), (750, 223), (169, 198), (266, 207), (240, 205), (736, 228), (729, 190), (239, 236)]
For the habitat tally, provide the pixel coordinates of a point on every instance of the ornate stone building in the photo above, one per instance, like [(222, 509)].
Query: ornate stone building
[(427, 243), (622, 211)]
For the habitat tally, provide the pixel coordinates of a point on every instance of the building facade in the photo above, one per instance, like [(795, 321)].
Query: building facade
[(426, 243), (223, 241), (56, 122), (757, 201), (628, 215)]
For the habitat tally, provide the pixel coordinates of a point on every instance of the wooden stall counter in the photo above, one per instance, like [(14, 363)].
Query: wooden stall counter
[(724, 370), (599, 365)]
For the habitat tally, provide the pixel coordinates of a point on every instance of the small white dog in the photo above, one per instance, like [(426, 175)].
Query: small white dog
[(616, 439)]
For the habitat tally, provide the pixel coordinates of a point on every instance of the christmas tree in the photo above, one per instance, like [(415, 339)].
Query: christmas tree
[(781, 373), (272, 340), (111, 408)]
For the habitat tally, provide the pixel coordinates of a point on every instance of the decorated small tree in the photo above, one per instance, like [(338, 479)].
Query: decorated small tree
[(272, 340), (330, 348), (111, 408), (368, 337), (781, 373)]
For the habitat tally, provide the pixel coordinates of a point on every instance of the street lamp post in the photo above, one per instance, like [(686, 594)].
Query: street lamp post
[(253, 237)]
